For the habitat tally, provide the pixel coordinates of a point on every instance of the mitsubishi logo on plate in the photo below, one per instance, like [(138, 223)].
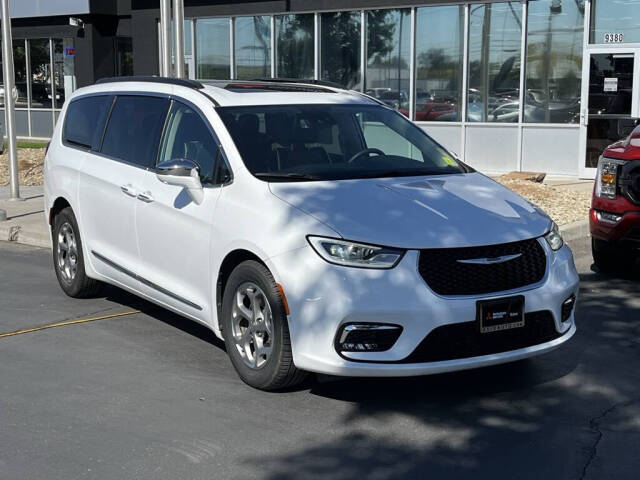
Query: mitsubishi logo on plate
[(491, 260)]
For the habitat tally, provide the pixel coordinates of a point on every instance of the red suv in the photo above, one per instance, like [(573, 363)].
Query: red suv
[(615, 210)]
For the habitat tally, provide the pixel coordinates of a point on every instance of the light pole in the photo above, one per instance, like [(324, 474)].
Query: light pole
[(165, 38), (178, 31), (9, 100)]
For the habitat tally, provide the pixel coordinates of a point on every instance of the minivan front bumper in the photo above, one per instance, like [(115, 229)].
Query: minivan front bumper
[(323, 297)]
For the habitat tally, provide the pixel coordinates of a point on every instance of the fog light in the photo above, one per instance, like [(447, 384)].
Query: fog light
[(367, 337), (567, 307)]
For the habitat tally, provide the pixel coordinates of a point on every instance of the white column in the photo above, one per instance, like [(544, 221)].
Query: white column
[(165, 38), (178, 43)]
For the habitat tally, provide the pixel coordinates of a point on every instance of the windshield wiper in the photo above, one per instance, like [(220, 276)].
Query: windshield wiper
[(286, 176)]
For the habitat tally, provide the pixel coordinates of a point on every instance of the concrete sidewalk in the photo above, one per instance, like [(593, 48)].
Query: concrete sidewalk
[(26, 222)]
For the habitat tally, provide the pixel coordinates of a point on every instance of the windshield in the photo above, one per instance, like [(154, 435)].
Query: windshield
[(333, 142)]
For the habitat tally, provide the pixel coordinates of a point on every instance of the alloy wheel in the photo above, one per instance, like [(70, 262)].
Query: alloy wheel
[(67, 252), (252, 325)]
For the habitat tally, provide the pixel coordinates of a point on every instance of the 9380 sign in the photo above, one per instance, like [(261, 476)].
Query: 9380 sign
[(613, 37)]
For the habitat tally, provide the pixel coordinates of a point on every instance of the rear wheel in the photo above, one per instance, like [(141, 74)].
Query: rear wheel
[(256, 330), (68, 259)]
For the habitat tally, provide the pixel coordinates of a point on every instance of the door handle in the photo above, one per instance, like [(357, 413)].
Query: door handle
[(146, 197), (129, 190)]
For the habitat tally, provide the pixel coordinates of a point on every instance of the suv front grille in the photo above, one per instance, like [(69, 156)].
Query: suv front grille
[(439, 267), (464, 340)]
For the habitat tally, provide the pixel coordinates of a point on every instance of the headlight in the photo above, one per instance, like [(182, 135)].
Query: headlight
[(353, 254), (606, 178), (554, 239)]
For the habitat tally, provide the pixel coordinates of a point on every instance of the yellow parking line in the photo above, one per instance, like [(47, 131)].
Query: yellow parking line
[(67, 322)]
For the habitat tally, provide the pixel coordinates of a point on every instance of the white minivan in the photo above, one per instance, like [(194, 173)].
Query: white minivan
[(313, 229)]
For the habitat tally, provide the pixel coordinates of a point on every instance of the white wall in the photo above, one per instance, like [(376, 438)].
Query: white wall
[(493, 148)]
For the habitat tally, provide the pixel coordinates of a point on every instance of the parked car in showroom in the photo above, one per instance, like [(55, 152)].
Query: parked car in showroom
[(615, 210), (313, 229)]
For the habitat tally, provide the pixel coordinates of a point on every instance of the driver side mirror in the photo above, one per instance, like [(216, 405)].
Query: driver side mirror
[(182, 173)]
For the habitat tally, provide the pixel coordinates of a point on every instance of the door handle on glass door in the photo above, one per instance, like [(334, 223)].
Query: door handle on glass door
[(145, 197), (129, 190)]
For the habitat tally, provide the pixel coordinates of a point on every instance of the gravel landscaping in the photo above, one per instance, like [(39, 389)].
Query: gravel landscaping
[(564, 204), (30, 161)]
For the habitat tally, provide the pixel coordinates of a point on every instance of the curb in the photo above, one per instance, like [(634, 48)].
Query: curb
[(11, 231), (575, 231)]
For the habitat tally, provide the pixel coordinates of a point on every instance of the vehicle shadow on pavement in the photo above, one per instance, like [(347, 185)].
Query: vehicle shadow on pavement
[(190, 327), (542, 417)]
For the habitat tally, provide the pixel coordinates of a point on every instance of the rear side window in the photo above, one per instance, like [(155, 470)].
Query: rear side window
[(84, 121), (134, 129)]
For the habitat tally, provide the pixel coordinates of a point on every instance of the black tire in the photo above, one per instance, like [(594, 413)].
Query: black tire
[(79, 285), (278, 371), (610, 259)]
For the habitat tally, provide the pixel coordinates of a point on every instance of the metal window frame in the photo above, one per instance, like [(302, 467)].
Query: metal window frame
[(317, 25), (363, 49), (27, 60), (272, 41), (232, 48)]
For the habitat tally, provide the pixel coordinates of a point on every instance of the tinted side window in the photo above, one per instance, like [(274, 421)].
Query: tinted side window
[(84, 121), (134, 129), (188, 136)]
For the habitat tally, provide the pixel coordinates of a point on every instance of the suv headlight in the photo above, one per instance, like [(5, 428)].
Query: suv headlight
[(351, 254), (554, 238), (607, 178)]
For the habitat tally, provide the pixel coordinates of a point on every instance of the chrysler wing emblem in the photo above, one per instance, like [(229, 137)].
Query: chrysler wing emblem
[(491, 260)]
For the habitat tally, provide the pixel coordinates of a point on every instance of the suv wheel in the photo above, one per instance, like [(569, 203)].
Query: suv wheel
[(256, 330), (68, 259)]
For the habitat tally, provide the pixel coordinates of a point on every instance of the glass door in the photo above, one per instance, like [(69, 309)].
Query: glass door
[(610, 99)]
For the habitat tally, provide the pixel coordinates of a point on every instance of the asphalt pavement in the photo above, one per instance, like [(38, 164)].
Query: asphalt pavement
[(153, 396)]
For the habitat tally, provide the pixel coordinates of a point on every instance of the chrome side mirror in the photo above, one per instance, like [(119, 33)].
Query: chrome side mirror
[(182, 173)]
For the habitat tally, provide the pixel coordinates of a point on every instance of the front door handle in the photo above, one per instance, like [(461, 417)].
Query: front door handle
[(146, 197), (129, 190)]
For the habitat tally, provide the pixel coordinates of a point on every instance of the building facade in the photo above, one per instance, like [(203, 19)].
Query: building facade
[(534, 85), (60, 45)]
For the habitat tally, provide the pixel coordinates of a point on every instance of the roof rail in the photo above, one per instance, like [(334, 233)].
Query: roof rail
[(183, 82), (309, 81)]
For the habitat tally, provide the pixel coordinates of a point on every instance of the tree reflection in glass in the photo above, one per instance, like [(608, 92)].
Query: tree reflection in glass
[(388, 57), (495, 32)]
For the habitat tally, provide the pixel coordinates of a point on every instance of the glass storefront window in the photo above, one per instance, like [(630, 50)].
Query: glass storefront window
[(439, 59), (615, 21), (253, 47), (495, 32), (389, 57), (294, 46), (340, 48), (213, 58), (554, 62), (123, 56), (20, 67), (40, 54)]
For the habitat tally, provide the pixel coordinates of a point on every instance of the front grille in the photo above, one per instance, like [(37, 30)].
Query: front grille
[(464, 340), (443, 273)]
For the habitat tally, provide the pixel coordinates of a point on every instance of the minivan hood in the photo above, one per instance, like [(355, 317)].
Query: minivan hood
[(434, 211)]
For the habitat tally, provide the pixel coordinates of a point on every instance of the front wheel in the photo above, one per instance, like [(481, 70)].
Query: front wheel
[(255, 328)]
